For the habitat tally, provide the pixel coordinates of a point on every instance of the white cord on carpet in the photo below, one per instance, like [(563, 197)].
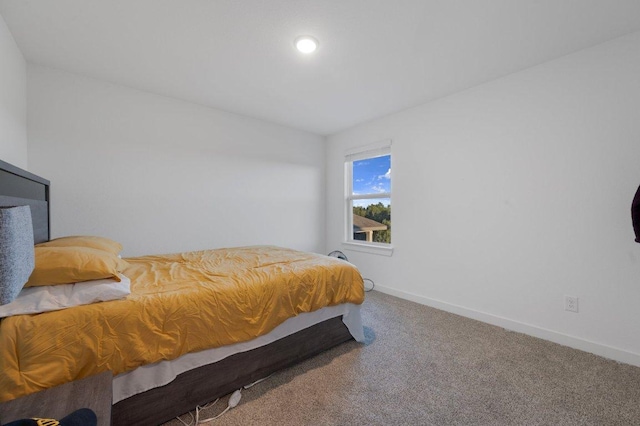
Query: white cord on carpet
[(256, 382), (234, 400), (197, 410), (372, 284), (185, 423)]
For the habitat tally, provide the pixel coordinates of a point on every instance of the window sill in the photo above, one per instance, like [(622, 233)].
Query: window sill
[(379, 249)]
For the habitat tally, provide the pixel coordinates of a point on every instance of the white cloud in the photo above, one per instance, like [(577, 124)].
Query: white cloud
[(386, 175)]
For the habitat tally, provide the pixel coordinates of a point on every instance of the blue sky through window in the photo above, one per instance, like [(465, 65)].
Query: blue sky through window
[(372, 176)]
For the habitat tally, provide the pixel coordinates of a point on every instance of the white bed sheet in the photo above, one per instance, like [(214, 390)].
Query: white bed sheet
[(46, 298), (152, 376)]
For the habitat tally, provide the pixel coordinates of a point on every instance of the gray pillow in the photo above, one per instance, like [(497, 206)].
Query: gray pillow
[(16, 251)]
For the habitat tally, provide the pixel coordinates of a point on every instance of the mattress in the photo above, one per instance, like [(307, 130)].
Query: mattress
[(179, 304)]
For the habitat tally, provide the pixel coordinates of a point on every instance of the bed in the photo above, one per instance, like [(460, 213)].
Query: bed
[(228, 359)]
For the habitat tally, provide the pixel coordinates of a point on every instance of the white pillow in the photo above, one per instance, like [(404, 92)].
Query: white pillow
[(35, 300)]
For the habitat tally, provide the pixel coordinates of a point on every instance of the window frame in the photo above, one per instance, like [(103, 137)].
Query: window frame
[(379, 149)]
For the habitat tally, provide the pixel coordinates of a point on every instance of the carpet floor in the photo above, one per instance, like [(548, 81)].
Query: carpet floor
[(423, 366)]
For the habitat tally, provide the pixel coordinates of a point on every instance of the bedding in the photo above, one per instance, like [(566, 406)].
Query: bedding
[(90, 241), (154, 375), (180, 303), (36, 300), (66, 265)]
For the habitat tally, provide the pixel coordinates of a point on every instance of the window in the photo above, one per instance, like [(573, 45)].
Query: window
[(368, 197)]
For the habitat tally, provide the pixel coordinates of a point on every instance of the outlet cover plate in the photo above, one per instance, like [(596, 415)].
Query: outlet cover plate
[(571, 304)]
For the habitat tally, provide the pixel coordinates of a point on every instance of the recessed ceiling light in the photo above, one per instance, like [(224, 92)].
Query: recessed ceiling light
[(306, 44)]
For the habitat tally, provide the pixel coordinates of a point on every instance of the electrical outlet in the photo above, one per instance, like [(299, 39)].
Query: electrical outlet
[(571, 304)]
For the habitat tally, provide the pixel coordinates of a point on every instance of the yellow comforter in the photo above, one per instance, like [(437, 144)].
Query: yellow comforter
[(179, 303)]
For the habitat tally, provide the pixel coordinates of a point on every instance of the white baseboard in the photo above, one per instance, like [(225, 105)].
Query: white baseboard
[(542, 333)]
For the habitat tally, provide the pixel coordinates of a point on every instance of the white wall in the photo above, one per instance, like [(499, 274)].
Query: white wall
[(513, 194), (162, 175), (13, 100)]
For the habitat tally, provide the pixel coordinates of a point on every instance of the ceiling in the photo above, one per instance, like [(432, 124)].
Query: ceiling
[(375, 56)]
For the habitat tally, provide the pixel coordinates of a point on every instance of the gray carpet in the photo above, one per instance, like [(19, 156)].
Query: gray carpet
[(422, 366)]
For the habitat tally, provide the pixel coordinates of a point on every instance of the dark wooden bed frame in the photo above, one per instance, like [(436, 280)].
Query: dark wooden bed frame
[(197, 386), (19, 188)]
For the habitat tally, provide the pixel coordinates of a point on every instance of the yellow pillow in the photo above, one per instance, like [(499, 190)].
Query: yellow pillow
[(100, 243), (64, 265)]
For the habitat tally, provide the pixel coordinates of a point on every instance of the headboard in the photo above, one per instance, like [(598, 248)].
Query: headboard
[(19, 188)]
